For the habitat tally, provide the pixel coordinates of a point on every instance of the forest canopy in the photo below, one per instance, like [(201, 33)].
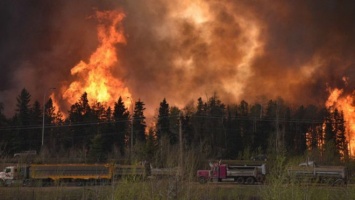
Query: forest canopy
[(217, 130)]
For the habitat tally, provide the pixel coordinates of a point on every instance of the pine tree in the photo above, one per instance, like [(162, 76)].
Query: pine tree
[(296, 139), (234, 140), (163, 124), (174, 117), (216, 132), (22, 121), (187, 130), (139, 123), (53, 137), (81, 118), (256, 115), (199, 120), (97, 153), (121, 118), (108, 131), (245, 126), (35, 135), (5, 136), (151, 145), (341, 140)]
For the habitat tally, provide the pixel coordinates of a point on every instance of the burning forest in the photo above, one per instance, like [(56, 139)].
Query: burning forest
[(252, 60)]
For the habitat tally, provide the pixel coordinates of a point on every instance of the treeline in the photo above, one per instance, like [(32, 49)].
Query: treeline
[(212, 128)]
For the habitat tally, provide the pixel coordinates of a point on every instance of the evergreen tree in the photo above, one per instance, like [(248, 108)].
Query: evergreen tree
[(234, 140), (270, 125), (329, 135), (198, 123), (151, 145), (22, 121), (216, 136), (341, 140), (97, 153), (121, 118), (245, 125), (163, 124), (98, 112), (53, 136), (174, 124), (139, 123), (109, 131), (4, 134), (335, 134), (256, 116), (80, 118), (50, 116), (187, 130), (296, 139), (315, 138), (35, 135)]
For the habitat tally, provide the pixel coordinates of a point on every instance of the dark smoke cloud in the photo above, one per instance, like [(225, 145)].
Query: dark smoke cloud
[(305, 46), (302, 32)]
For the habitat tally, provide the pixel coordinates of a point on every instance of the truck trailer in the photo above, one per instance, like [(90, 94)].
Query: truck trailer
[(68, 174), (311, 172), (48, 174), (239, 173)]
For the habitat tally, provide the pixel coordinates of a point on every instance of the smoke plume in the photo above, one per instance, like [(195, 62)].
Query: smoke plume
[(184, 49)]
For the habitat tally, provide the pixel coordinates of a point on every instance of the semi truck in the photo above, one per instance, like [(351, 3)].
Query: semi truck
[(77, 174), (311, 172), (241, 173)]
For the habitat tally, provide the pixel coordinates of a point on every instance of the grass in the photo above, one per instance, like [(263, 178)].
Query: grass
[(171, 188), (276, 188)]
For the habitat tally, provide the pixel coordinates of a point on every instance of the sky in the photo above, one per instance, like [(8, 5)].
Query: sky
[(181, 50)]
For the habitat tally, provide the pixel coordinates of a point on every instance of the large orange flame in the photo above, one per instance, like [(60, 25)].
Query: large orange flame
[(345, 104), (95, 77)]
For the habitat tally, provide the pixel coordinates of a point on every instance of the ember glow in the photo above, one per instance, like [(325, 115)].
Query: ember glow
[(345, 103), (95, 77)]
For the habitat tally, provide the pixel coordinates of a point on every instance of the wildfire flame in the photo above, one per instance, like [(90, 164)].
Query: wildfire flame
[(337, 100), (95, 77)]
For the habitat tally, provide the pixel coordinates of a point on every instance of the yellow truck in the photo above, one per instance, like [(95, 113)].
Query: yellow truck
[(74, 174)]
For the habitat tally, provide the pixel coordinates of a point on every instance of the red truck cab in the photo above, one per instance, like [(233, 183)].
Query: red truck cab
[(241, 174)]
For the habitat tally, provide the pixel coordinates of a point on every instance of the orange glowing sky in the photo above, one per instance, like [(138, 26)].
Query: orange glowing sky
[(179, 50)]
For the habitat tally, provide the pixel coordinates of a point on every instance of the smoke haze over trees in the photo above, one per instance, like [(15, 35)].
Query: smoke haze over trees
[(269, 67), (215, 129), (183, 50)]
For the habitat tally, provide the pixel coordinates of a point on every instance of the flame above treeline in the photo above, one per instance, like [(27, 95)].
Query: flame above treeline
[(179, 50), (95, 77)]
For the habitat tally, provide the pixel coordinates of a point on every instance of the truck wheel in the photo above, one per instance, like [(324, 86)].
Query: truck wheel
[(202, 180), (239, 180), (250, 181)]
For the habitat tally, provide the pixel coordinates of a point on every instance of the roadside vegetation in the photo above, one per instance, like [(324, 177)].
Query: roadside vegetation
[(278, 185)]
